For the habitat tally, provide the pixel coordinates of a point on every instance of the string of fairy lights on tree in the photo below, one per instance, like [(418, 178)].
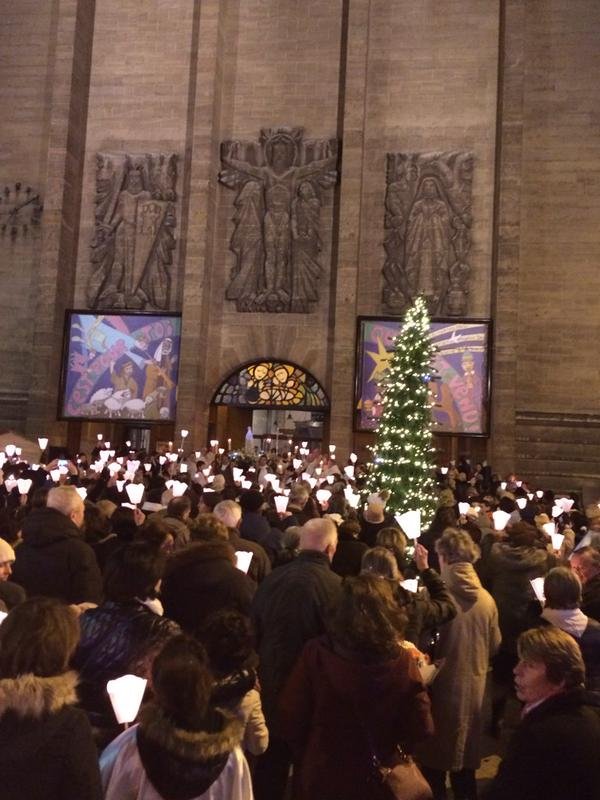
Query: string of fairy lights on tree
[(403, 461)]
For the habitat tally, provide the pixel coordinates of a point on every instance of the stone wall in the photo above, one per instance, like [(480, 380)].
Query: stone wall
[(510, 81), (26, 42)]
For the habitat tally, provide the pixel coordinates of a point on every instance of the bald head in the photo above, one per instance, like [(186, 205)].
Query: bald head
[(319, 534), (67, 500)]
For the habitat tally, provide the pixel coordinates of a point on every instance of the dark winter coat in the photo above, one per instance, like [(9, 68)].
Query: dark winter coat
[(425, 613), (116, 639), (46, 746), (554, 752), (11, 594), (348, 557), (260, 566), (54, 561), (369, 530), (291, 606), (256, 528), (509, 571), (179, 764), (338, 709), (202, 579), (590, 602)]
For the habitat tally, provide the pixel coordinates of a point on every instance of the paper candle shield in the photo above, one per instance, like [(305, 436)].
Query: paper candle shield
[(114, 468), (565, 503), (183, 468), (54, 474), (556, 511), (549, 528), (10, 450), (539, 493), (81, 491), (135, 492), (133, 466), (444, 470), (11, 483), (463, 508), (411, 584), (43, 442), (297, 463), (537, 584), (24, 485), (557, 540), (237, 473), (410, 522), (179, 488), (242, 560), (323, 496), (126, 695), (349, 471), (521, 502), (353, 458), (246, 484), (500, 520), (281, 503)]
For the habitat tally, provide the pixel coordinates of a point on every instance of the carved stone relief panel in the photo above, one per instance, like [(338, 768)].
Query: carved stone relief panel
[(276, 240), (428, 231), (20, 212), (135, 219)]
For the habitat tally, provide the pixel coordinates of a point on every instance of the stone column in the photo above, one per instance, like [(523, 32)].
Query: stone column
[(505, 295), (69, 75), (352, 127)]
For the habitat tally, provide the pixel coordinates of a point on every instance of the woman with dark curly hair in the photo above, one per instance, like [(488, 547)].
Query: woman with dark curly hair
[(354, 694)]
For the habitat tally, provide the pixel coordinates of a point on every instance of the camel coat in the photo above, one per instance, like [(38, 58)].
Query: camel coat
[(467, 642)]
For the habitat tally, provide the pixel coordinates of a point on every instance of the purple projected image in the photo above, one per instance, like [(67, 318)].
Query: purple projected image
[(120, 366), (460, 382)]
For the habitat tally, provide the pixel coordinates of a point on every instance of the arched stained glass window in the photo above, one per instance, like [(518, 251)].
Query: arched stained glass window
[(272, 384)]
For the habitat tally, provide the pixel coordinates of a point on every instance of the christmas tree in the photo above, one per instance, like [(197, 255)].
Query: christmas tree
[(403, 454)]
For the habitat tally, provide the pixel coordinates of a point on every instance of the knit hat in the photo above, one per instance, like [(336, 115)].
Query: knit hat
[(6, 552)]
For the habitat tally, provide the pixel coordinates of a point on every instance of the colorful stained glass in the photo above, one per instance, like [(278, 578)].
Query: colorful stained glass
[(271, 384)]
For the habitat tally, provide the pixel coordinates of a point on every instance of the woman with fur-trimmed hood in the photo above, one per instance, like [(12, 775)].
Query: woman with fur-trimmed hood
[(46, 746), (183, 748)]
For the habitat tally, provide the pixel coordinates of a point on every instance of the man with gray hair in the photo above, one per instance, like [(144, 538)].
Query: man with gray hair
[(53, 560), (230, 514), (290, 607)]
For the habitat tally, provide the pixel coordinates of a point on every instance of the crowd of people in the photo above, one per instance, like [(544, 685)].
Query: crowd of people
[(296, 641)]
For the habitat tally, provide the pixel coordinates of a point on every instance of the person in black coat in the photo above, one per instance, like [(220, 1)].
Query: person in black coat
[(291, 606), (46, 746), (254, 526), (349, 552), (53, 560), (201, 579), (553, 754)]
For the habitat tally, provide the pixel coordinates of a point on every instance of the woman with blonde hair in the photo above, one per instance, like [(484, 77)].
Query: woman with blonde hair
[(466, 644)]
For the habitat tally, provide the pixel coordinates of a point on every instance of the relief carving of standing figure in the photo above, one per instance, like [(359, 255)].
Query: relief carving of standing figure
[(133, 244), (428, 223), (306, 247), (428, 244)]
